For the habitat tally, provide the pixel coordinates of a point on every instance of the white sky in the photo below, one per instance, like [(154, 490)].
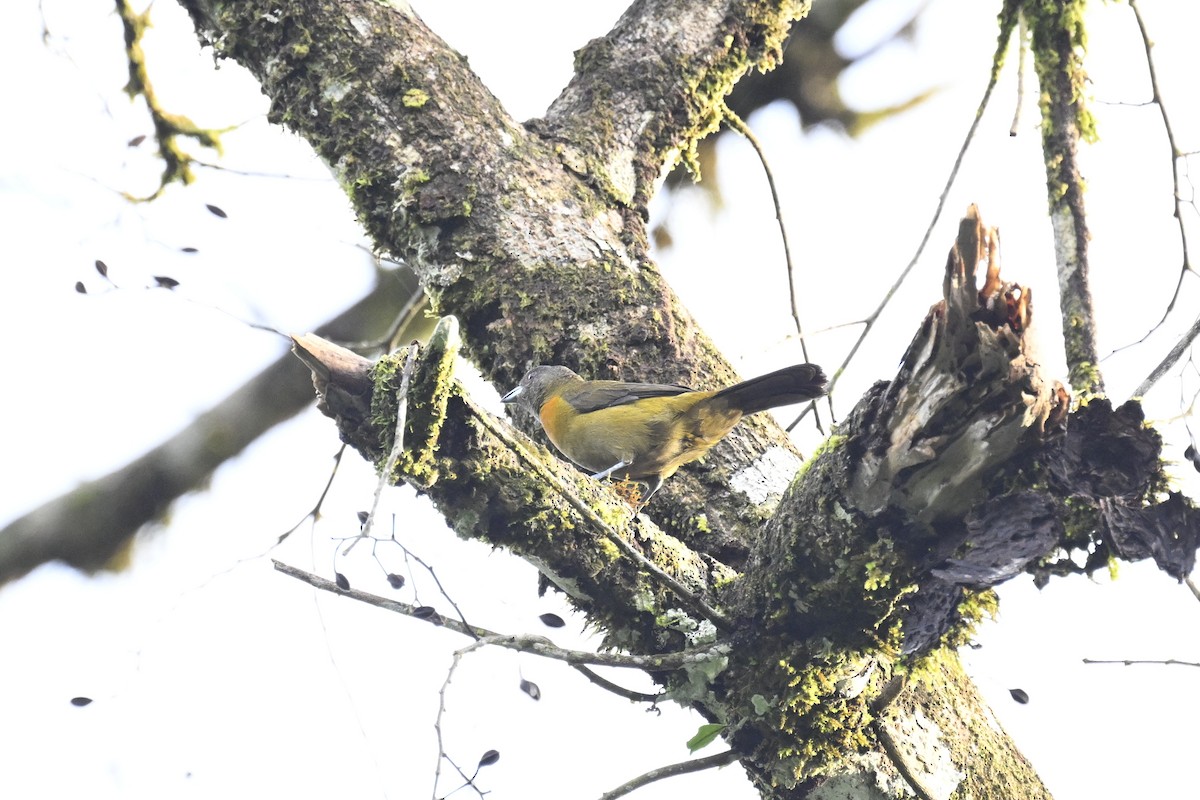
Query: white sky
[(215, 677)]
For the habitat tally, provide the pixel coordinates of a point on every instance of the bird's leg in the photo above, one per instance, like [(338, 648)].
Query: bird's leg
[(627, 488), (612, 469), (652, 486)]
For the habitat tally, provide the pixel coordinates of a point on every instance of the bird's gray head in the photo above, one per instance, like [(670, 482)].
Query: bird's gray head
[(535, 388)]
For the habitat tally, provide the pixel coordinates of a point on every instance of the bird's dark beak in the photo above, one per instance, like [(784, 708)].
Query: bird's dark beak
[(513, 396)]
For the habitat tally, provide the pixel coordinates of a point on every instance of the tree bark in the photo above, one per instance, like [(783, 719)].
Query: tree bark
[(873, 569), (532, 235), (842, 612)]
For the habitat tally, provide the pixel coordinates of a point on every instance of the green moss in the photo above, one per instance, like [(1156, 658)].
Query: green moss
[(1084, 375), (1058, 40), (414, 178), (431, 385), (415, 98), (824, 728), (975, 606), (169, 128)]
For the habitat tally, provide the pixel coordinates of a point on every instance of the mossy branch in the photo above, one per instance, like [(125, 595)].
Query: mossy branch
[(494, 485), (169, 128), (1058, 41)]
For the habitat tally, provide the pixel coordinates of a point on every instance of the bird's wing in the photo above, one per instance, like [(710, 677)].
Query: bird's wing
[(605, 394)]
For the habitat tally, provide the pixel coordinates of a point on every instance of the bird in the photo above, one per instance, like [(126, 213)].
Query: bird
[(644, 432)]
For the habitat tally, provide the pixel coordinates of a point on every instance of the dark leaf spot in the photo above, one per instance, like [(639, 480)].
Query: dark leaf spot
[(428, 613)]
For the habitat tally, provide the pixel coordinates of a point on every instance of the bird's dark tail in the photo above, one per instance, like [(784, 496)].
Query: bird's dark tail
[(780, 388)]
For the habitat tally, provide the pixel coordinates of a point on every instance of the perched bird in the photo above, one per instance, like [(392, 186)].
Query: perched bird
[(646, 431)]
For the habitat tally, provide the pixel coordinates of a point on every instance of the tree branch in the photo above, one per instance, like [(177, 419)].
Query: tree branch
[(528, 643), (627, 112), (1057, 41), (90, 525), (671, 771), (431, 163)]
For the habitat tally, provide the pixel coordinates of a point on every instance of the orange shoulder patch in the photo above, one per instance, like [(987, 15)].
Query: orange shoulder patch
[(555, 414)]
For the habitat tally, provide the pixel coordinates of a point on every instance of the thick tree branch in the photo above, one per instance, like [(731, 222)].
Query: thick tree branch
[(493, 484), (91, 524), (910, 480), (646, 93), (873, 565), (524, 243)]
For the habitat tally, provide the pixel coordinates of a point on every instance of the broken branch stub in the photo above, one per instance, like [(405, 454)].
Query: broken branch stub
[(969, 394)]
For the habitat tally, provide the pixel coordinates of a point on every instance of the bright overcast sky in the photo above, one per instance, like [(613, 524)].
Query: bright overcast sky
[(213, 676)]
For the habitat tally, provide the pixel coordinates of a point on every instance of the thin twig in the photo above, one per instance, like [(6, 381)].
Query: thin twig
[(1171, 357), (437, 721), (1007, 23), (607, 685), (385, 477), (314, 513), (682, 768), (537, 645), (1186, 267), (1129, 662), (429, 568), (739, 125), (1191, 584), (1022, 52)]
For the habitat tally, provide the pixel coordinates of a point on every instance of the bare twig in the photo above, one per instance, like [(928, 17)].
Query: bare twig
[(537, 645), (437, 722), (314, 513), (739, 125), (1008, 20), (1022, 49), (1191, 584), (1186, 266), (1173, 356), (410, 555), (609, 686), (1129, 662), (385, 476), (682, 768)]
